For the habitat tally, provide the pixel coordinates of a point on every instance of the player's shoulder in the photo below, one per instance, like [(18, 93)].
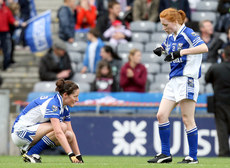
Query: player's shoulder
[(190, 32)]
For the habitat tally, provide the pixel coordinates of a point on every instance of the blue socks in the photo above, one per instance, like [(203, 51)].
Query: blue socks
[(41, 145), (164, 131), (193, 142)]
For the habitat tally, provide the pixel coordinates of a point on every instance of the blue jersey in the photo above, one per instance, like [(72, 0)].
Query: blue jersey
[(187, 65), (41, 110)]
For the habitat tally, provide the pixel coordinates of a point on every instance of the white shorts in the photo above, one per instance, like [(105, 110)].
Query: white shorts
[(22, 138), (179, 88)]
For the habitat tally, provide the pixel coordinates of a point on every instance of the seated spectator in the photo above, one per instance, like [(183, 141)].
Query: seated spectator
[(212, 40), (223, 22), (109, 55), (115, 28), (133, 75), (106, 20), (92, 54), (104, 81), (228, 39), (145, 10), (67, 21), (56, 64), (86, 16)]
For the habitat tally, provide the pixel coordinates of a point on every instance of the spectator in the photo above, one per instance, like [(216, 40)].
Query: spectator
[(92, 54), (133, 75), (177, 4), (109, 55), (104, 81), (126, 5), (218, 76), (86, 15), (6, 18), (228, 38), (102, 7), (24, 9), (67, 21), (15, 9), (106, 20), (116, 27), (223, 22), (56, 64), (145, 10), (193, 4), (212, 40)]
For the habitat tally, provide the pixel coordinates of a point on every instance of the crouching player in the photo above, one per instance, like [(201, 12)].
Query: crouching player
[(45, 123)]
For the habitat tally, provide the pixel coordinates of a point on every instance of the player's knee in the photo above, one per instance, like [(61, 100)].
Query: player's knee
[(63, 127), (161, 117), (187, 120), (69, 136)]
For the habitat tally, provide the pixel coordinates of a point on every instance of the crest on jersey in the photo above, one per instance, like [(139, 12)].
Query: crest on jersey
[(54, 108), (194, 34), (179, 46), (190, 83)]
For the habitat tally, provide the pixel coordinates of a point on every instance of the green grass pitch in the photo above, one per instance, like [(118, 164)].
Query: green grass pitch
[(110, 162)]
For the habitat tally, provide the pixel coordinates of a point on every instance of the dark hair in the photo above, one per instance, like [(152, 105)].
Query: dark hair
[(102, 64), (66, 86), (110, 50), (94, 32), (112, 3), (227, 52)]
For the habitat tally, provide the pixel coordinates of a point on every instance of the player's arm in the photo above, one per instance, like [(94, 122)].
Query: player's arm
[(60, 136), (196, 50), (74, 143), (190, 51)]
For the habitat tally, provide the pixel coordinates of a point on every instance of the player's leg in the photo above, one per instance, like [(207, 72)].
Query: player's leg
[(188, 112), (165, 108), (43, 139)]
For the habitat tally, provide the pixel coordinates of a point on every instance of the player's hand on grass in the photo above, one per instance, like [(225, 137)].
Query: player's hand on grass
[(172, 56), (158, 51), (79, 157), (73, 158)]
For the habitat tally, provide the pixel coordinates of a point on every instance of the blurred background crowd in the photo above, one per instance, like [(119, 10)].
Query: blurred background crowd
[(103, 45)]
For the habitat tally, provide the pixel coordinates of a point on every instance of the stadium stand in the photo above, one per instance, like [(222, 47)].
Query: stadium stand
[(142, 26), (128, 46), (140, 37), (207, 6), (146, 36)]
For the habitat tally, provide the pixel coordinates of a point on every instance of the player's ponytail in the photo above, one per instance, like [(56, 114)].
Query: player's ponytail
[(182, 17), (65, 86)]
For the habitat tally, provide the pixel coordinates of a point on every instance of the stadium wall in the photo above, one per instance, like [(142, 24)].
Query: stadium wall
[(138, 136)]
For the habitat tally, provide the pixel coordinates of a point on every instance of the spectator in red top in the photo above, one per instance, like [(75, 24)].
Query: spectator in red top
[(6, 18), (86, 15), (133, 75)]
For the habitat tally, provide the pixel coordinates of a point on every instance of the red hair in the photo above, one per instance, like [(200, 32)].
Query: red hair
[(173, 15)]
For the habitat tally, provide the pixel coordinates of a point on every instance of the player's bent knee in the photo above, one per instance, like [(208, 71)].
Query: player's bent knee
[(63, 126), (161, 117), (69, 136)]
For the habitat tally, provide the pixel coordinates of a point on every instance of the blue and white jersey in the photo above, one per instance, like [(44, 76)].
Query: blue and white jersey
[(187, 65), (41, 110)]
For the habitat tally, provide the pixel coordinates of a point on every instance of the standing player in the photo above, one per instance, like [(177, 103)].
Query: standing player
[(45, 123), (184, 48)]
